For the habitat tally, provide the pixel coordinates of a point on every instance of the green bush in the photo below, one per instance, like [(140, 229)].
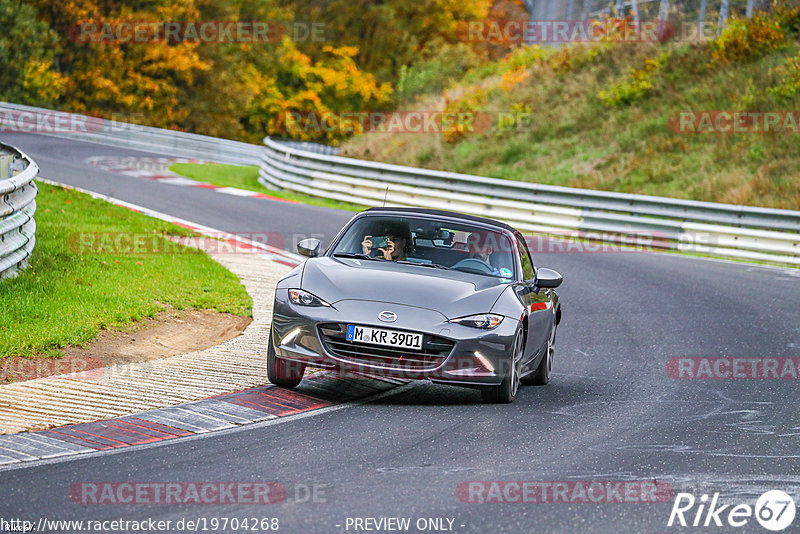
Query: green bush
[(788, 79), (637, 84), (437, 73)]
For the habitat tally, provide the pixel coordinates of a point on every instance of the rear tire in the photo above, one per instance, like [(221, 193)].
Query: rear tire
[(507, 390), (281, 372)]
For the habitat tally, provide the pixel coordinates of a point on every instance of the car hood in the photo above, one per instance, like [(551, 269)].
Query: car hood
[(452, 293)]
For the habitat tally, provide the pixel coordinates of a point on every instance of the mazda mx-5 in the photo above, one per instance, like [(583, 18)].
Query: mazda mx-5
[(418, 294)]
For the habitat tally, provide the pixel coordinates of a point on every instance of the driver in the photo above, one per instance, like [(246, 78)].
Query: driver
[(399, 244), (480, 248)]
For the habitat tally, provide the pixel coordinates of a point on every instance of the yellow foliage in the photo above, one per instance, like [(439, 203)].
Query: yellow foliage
[(39, 77), (742, 39), (512, 78), (321, 92)]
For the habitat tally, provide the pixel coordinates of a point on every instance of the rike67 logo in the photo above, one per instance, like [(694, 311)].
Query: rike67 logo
[(774, 510)]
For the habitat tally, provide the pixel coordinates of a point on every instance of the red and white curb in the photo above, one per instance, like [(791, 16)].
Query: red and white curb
[(223, 412), (157, 169), (319, 392)]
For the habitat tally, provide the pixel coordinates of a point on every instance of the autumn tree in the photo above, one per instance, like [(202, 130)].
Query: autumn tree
[(390, 33), (27, 50), (321, 90), (237, 89), (144, 81)]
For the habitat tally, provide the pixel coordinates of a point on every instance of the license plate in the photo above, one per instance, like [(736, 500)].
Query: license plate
[(380, 336)]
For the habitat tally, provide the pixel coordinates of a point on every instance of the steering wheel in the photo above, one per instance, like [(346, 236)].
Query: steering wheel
[(474, 264)]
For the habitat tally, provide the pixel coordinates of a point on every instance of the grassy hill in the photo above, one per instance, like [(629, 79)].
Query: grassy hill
[(607, 116)]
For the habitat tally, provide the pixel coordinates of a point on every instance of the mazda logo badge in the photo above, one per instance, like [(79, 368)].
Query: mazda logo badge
[(387, 316)]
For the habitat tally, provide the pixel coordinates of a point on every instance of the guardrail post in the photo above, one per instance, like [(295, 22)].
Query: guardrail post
[(5, 166)]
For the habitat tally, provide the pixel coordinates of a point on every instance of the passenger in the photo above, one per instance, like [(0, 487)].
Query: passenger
[(481, 253), (399, 244)]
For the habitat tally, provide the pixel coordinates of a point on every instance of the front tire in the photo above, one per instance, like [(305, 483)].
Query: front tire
[(281, 372), (541, 376), (507, 390)]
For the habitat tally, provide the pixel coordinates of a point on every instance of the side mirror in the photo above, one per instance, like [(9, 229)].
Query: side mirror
[(548, 278), (309, 247)]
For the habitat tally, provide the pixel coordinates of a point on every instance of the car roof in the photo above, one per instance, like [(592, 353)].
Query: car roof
[(441, 213)]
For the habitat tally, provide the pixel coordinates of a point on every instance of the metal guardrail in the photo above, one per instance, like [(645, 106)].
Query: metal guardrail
[(308, 146), (19, 118), (17, 207), (16, 118), (702, 227)]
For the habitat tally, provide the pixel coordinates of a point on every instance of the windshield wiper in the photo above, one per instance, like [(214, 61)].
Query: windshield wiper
[(358, 256), (434, 265), (354, 255)]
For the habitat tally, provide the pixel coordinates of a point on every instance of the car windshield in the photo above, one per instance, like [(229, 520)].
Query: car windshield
[(430, 243)]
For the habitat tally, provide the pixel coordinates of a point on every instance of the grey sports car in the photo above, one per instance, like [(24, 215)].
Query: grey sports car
[(418, 294)]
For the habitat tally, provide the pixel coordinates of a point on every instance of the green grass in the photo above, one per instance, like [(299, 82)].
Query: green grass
[(246, 177), (577, 139), (70, 292)]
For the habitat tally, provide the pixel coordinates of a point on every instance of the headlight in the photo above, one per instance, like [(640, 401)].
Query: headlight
[(486, 321), (304, 298)]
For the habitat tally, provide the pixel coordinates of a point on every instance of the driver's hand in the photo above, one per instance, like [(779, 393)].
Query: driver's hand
[(387, 252), (366, 245)]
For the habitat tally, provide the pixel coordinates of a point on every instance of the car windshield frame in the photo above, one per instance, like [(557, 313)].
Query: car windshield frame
[(444, 220)]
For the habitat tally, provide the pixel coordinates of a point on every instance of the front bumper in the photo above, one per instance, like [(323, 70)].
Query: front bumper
[(477, 357)]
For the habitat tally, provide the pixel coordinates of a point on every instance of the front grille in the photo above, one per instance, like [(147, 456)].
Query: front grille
[(435, 350)]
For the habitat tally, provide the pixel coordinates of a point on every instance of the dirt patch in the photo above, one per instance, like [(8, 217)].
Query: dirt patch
[(170, 333)]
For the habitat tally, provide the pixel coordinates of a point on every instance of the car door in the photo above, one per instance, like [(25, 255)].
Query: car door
[(538, 302)]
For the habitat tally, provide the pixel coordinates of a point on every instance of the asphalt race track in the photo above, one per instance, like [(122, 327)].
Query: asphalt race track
[(62, 160), (611, 412)]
